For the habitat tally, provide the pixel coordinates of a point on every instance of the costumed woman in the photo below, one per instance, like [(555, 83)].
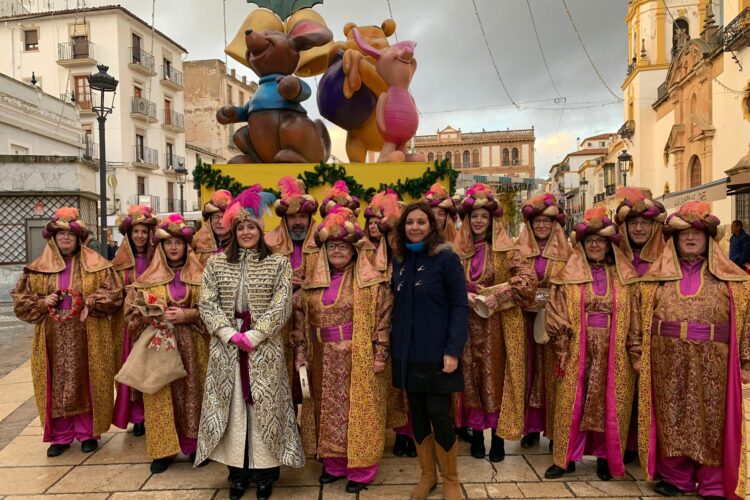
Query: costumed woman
[(444, 209), (640, 219), (131, 260), (342, 323), (213, 237), (544, 244), (494, 361), (428, 334), (593, 320), (173, 413), (381, 218), (248, 421), (696, 355), (68, 293)]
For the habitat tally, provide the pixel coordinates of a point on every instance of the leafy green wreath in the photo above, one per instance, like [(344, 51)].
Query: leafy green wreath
[(326, 174)]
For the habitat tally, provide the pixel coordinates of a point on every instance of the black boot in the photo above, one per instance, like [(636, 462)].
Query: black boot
[(89, 445), (667, 489), (530, 440), (237, 489), (355, 487), (477, 444), (497, 449), (161, 464), (263, 491), (326, 478), (139, 429), (56, 450), (399, 447), (555, 472), (602, 470), (411, 449), (463, 433)]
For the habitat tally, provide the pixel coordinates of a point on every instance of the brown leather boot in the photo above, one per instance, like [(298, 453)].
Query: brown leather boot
[(449, 471), (428, 478)]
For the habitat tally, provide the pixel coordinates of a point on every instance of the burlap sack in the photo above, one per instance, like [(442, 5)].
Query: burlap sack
[(148, 369)]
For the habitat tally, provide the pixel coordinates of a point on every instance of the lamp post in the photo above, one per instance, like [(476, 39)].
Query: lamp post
[(103, 83), (584, 184), (623, 165), (181, 172)]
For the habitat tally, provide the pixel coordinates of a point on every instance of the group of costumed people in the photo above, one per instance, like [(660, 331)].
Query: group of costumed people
[(311, 340)]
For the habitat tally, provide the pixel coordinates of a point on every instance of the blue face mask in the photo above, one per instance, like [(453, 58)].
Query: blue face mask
[(415, 247)]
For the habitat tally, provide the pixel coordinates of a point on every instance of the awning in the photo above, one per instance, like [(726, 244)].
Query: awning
[(711, 191)]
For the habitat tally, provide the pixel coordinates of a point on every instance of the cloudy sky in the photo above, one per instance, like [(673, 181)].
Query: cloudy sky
[(455, 83)]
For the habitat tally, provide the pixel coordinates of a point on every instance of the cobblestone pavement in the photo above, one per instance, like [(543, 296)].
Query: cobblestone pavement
[(119, 469)]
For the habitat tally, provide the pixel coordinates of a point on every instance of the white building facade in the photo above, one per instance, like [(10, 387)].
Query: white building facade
[(145, 134)]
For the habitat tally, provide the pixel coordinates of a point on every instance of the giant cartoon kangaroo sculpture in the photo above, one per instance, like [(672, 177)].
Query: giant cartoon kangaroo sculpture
[(278, 129)]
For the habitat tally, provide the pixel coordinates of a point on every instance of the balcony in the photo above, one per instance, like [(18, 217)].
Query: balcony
[(145, 157), (147, 200), (141, 61), (171, 78), (736, 35), (90, 149), (172, 120), (77, 53), (173, 161), (143, 109), (599, 198), (173, 205), (83, 102), (627, 130), (610, 189)]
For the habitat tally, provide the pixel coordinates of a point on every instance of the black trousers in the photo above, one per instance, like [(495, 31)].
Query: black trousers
[(431, 414), (246, 475)]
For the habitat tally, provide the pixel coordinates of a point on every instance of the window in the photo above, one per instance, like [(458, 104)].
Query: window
[(136, 50), (431, 157), (141, 181), (475, 158), (137, 91), (31, 40), (82, 91), (170, 157), (139, 148), (695, 171), (742, 208), (167, 112), (198, 159), (514, 156), (167, 68), (80, 47), (241, 97), (602, 144), (506, 157), (589, 144), (467, 159), (229, 95), (170, 197), (439, 157), (449, 156)]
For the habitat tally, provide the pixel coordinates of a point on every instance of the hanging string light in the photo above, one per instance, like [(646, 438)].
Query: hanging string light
[(492, 57)]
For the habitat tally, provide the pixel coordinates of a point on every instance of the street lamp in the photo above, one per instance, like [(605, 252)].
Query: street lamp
[(584, 184), (623, 165), (103, 83), (182, 173)]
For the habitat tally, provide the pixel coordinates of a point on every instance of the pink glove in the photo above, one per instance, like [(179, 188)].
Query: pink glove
[(242, 342)]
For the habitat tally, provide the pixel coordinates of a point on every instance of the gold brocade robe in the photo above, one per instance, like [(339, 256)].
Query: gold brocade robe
[(494, 366), (350, 400), (564, 327), (175, 410), (699, 436), (73, 354)]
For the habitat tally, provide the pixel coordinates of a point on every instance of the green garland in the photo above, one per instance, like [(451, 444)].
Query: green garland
[(326, 174)]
